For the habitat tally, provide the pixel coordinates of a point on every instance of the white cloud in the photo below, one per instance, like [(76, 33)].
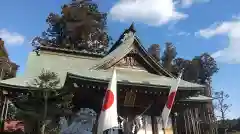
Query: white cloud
[(189, 3), (182, 33), (236, 17), (11, 38), (151, 12), (186, 3), (230, 29)]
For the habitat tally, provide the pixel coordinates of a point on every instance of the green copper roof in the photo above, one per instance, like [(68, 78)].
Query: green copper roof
[(83, 66), (116, 55), (136, 77), (58, 63), (125, 46), (79, 66)]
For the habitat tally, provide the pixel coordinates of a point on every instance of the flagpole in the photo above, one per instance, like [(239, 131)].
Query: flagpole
[(145, 124), (6, 111), (111, 131), (163, 127), (2, 114), (5, 103)]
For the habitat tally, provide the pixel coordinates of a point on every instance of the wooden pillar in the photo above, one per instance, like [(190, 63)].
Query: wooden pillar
[(154, 119), (154, 124), (193, 120), (182, 121), (189, 121), (196, 114), (186, 121), (174, 123), (94, 131), (178, 125)]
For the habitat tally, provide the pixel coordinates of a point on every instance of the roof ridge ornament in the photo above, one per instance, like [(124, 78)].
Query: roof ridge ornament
[(132, 28), (130, 32), (122, 37), (127, 36)]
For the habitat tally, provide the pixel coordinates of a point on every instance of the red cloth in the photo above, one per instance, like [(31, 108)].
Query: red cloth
[(10, 126)]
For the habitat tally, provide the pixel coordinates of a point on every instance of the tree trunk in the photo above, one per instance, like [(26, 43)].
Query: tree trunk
[(45, 113)]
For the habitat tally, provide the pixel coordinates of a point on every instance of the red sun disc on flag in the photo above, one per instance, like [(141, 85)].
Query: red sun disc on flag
[(108, 100), (171, 100)]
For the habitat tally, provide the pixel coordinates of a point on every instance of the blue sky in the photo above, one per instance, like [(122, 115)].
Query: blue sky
[(194, 26)]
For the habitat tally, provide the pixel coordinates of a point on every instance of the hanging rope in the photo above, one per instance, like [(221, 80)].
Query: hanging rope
[(146, 109), (140, 114), (136, 123)]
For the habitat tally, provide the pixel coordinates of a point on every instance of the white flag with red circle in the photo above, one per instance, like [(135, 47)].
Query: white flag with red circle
[(108, 117), (168, 106)]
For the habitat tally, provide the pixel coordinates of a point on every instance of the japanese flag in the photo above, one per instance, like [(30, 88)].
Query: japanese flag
[(168, 106), (108, 117)]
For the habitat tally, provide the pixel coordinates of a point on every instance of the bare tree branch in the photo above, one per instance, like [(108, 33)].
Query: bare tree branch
[(221, 106)]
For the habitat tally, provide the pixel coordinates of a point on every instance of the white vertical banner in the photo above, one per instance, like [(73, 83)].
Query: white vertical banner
[(171, 97), (108, 117)]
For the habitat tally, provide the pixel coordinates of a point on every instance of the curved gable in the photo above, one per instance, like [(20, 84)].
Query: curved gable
[(128, 52)]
